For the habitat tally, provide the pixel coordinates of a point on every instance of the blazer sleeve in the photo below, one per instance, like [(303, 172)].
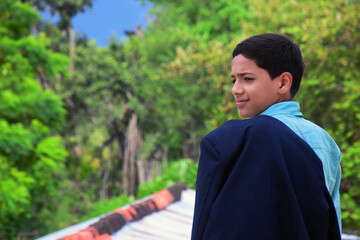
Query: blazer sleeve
[(208, 163)]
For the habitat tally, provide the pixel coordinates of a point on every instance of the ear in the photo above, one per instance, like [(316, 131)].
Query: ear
[(285, 81)]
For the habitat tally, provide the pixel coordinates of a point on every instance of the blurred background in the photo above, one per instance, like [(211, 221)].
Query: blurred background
[(105, 102)]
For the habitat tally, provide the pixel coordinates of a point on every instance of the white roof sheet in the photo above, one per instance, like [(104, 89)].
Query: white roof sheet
[(173, 222)]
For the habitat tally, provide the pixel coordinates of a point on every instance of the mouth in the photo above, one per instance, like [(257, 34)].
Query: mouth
[(241, 102)]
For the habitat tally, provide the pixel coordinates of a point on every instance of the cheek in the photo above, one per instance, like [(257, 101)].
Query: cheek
[(267, 90), (257, 90)]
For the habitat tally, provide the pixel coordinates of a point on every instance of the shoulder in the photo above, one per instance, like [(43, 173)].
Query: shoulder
[(231, 128), (248, 126), (322, 139), (235, 132)]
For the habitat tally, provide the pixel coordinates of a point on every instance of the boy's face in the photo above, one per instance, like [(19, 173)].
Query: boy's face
[(253, 89)]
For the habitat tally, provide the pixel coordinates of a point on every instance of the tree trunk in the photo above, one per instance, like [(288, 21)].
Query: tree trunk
[(165, 156), (132, 146), (141, 166), (190, 149), (72, 47), (77, 153), (105, 180)]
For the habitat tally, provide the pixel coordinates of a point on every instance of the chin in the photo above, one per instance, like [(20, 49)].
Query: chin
[(246, 116)]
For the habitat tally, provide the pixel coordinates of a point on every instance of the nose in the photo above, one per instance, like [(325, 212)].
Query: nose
[(237, 89)]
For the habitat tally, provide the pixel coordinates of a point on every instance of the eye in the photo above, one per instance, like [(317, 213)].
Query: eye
[(248, 79), (233, 80)]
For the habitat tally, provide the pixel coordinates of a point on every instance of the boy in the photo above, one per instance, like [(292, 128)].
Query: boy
[(274, 175)]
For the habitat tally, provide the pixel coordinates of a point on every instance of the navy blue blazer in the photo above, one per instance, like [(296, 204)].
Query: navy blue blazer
[(258, 180)]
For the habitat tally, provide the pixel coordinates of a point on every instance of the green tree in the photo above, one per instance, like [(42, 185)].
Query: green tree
[(31, 150), (65, 9)]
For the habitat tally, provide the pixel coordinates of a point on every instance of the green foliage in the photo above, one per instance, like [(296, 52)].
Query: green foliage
[(23, 17), (183, 170), (14, 190), (106, 206), (66, 9), (31, 152), (350, 191), (72, 203)]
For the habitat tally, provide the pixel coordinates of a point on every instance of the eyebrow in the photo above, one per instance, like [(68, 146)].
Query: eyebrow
[(242, 74)]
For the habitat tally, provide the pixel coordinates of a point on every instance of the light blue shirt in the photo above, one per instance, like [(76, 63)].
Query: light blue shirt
[(318, 139)]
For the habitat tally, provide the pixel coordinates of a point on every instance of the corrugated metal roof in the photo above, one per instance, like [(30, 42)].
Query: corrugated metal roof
[(173, 222), (166, 214)]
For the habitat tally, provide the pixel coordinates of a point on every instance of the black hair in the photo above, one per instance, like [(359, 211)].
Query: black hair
[(276, 54)]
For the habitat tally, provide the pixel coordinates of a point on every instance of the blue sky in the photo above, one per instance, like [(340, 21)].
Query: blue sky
[(110, 16)]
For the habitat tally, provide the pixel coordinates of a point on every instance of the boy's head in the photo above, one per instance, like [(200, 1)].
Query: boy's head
[(266, 69)]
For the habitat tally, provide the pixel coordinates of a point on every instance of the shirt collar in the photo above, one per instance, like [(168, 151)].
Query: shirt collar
[(291, 108)]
